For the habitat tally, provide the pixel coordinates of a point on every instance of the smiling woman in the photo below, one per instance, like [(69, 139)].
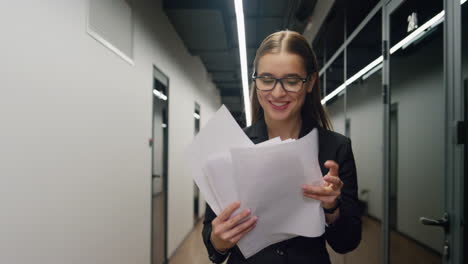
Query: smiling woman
[(285, 102), (285, 98), (287, 54)]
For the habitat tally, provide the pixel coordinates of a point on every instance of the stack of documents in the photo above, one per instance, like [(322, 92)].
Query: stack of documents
[(265, 178)]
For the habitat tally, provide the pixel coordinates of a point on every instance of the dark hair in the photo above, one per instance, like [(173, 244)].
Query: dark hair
[(294, 43)]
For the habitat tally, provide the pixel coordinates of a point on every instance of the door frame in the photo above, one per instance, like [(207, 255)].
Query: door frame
[(455, 110), (453, 87), (165, 174), (196, 204)]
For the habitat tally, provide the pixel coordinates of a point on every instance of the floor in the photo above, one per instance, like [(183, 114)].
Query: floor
[(403, 250), (192, 249), (158, 229)]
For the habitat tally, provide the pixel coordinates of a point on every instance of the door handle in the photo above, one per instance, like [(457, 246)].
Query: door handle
[(443, 222)]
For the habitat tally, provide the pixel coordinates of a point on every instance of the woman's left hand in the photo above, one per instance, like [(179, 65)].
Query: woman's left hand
[(328, 193)]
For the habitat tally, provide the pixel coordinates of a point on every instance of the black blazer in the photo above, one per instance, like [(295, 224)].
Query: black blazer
[(343, 235)]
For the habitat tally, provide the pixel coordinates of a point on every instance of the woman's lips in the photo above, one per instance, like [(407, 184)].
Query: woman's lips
[(279, 105)]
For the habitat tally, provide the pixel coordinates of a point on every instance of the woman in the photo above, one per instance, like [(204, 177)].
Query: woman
[(285, 102)]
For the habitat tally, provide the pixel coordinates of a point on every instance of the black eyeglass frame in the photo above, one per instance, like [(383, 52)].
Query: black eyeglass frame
[(280, 80)]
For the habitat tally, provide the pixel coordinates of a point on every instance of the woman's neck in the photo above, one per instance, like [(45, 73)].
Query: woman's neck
[(284, 129)]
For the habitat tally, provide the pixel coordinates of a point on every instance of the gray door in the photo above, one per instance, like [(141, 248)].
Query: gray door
[(418, 171)]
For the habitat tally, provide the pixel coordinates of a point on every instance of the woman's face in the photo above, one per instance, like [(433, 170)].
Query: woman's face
[(277, 104)]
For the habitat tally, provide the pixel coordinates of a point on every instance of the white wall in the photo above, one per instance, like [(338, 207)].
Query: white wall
[(75, 171)]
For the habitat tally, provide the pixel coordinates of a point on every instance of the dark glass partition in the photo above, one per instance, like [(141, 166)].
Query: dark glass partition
[(335, 74), (417, 132)]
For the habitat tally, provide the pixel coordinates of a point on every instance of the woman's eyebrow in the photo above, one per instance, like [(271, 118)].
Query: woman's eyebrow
[(286, 75), (265, 74)]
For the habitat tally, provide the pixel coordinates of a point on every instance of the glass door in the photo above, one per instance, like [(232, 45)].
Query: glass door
[(416, 166), (363, 125)]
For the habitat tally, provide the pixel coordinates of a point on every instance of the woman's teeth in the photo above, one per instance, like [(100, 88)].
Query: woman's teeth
[(279, 104)]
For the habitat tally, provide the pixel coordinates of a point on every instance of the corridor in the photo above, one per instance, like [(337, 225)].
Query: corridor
[(102, 103)]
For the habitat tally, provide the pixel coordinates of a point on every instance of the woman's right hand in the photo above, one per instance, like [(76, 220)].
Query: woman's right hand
[(227, 230)]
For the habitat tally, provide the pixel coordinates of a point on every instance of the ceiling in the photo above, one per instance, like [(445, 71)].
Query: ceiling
[(209, 30), (363, 49)]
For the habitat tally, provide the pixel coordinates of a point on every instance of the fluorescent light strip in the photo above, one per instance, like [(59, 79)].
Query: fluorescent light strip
[(418, 33), (160, 95), (364, 70), (243, 58), (432, 22), (335, 92), (197, 116), (377, 68), (415, 39), (356, 76)]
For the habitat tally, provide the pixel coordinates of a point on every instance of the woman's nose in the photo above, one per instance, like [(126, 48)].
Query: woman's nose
[(278, 90)]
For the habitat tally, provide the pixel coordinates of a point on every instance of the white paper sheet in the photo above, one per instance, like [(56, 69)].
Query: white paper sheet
[(266, 178), (270, 142), (219, 174), (219, 135), (269, 183), (218, 171)]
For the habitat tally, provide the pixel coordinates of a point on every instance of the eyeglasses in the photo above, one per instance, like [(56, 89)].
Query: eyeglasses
[(289, 84)]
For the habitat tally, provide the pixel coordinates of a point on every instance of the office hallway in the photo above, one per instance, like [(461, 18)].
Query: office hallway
[(108, 152), (192, 250)]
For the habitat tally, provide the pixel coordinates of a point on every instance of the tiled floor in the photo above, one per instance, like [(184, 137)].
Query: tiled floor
[(404, 250)]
